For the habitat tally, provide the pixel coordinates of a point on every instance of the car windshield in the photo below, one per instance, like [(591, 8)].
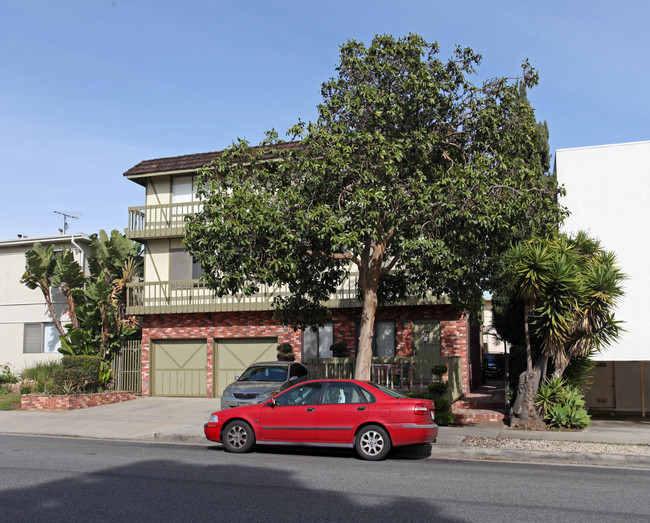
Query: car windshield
[(262, 373), (386, 390)]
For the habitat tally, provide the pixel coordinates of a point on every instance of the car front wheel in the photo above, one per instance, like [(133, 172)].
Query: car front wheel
[(238, 436), (372, 443)]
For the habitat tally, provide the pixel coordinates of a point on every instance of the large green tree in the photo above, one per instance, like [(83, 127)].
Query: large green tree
[(413, 176), (568, 287)]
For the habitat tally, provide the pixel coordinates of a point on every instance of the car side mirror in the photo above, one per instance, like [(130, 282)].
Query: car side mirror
[(236, 378), (293, 378)]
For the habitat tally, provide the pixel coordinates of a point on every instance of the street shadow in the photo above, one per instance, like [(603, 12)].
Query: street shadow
[(164, 490), (409, 452)]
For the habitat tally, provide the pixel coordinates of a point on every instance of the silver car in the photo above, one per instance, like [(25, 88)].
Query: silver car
[(261, 381)]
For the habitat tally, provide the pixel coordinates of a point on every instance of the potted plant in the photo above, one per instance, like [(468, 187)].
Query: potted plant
[(285, 352), (439, 371), (339, 350)]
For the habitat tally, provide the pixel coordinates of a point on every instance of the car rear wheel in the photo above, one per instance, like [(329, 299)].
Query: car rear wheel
[(238, 436), (372, 443)]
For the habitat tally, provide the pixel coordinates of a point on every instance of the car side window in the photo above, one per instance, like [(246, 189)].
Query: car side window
[(306, 394), (366, 395), (342, 393)]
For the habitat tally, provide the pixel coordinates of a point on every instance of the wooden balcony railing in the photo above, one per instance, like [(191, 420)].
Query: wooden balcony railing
[(168, 297), (160, 221)]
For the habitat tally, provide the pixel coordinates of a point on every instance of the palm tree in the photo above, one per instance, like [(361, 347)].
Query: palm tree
[(569, 287)]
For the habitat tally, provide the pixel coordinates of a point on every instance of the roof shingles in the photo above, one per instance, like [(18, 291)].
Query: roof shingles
[(188, 162)]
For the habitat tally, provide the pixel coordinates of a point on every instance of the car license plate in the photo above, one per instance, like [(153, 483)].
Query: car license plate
[(242, 403)]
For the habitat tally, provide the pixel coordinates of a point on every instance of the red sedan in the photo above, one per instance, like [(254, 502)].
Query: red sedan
[(328, 413)]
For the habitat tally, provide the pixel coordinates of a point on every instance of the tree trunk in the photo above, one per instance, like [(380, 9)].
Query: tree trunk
[(369, 283), (45, 288), (529, 351), (524, 411), (366, 334)]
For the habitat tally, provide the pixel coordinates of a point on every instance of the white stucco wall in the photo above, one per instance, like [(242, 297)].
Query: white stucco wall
[(20, 305), (608, 195)]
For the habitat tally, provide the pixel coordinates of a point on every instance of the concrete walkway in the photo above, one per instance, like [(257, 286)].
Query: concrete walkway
[(180, 420)]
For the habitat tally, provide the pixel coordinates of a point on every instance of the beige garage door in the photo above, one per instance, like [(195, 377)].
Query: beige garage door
[(232, 356), (179, 368)]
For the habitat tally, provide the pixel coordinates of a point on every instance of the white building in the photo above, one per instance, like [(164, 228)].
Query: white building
[(26, 329), (608, 195)]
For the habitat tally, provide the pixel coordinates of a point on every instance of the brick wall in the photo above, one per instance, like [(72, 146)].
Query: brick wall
[(72, 401), (260, 324)]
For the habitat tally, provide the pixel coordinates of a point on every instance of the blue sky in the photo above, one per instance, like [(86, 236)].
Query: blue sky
[(88, 88)]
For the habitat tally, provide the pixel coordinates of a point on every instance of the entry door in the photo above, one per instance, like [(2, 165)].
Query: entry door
[(426, 347), (179, 368), (233, 356)]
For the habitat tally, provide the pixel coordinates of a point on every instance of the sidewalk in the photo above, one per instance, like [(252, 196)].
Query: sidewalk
[(180, 420)]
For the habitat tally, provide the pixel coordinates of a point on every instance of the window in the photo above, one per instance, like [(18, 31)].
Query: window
[(342, 393), (183, 189), (306, 394), (183, 267), (316, 342), (40, 337), (383, 344)]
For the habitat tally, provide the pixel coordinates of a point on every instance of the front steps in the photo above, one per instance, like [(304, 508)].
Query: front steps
[(486, 404)]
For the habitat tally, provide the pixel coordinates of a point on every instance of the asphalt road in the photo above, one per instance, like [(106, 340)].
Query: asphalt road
[(72, 479)]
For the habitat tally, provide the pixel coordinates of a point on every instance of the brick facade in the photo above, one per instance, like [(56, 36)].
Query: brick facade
[(454, 331)]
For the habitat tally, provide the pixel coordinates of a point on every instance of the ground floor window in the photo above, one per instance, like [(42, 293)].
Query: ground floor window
[(40, 337), (316, 342), (383, 342)]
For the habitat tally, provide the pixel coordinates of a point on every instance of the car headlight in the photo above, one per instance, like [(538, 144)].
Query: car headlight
[(267, 395), (213, 418), (227, 394)]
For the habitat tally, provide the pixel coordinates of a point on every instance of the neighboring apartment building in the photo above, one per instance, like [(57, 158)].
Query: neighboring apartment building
[(193, 344), (26, 329), (608, 195)]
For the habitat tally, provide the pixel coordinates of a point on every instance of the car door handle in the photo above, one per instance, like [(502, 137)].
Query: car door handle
[(311, 409), (361, 408)]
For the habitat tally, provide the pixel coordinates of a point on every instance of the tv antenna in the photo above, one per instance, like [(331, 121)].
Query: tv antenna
[(65, 220)]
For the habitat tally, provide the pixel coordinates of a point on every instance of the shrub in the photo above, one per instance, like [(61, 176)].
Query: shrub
[(442, 405), (69, 381), (444, 418), (89, 368), (439, 370), (26, 388), (438, 388), (339, 350), (422, 395), (40, 372), (285, 352), (562, 405), (6, 376)]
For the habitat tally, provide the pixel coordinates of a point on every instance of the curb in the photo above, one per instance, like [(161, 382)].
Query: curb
[(531, 456)]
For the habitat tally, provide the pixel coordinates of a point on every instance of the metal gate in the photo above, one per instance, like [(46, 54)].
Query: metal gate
[(127, 367)]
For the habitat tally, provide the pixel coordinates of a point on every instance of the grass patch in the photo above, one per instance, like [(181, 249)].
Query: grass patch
[(9, 401)]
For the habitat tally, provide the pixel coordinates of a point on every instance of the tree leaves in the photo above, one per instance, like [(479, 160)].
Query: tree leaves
[(410, 166)]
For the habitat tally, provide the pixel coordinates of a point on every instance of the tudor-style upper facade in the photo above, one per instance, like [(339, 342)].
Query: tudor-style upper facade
[(171, 279)]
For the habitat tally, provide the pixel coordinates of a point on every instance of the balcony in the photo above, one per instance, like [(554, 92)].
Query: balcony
[(159, 221), (169, 297)]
